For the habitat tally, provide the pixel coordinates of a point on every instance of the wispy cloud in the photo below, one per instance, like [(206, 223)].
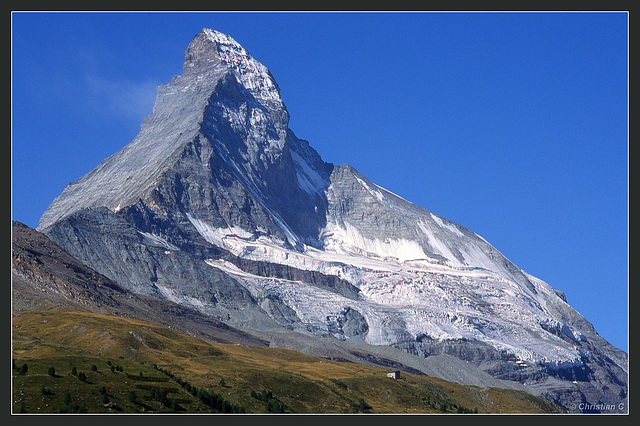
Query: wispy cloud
[(124, 99)]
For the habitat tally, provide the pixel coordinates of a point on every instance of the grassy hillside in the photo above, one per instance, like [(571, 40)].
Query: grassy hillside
[(87, 362)]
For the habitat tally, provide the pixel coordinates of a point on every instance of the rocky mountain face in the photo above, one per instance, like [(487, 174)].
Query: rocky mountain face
[(216, 205), (44, 277)]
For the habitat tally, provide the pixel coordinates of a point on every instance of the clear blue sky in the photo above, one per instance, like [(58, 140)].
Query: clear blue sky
[(514, 125)]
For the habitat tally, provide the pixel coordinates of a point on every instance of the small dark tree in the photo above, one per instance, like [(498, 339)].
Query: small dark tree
[(362, 406), (51, 371), (160, 395), (273, 406), (82, 377), (24, 369), (133, 397), (74, 371), (94, 367)]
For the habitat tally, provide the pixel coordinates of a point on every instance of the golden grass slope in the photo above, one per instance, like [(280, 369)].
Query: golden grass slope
[(119, 356)]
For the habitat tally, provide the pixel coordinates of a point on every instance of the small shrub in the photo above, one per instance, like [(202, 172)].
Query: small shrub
[(69, 407), (275, 406), (160, 395), (362, 406)]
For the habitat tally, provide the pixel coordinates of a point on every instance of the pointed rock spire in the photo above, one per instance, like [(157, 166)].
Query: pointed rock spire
[(210, 49)]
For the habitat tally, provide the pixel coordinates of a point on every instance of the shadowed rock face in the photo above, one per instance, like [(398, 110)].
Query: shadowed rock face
[(218, 206)]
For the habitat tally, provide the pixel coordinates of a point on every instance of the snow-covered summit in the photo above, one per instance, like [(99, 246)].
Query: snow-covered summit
[(210, 48), (222, 89)]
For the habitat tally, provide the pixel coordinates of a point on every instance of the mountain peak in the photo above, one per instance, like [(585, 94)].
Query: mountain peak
[(211, 48), (204, 50)]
